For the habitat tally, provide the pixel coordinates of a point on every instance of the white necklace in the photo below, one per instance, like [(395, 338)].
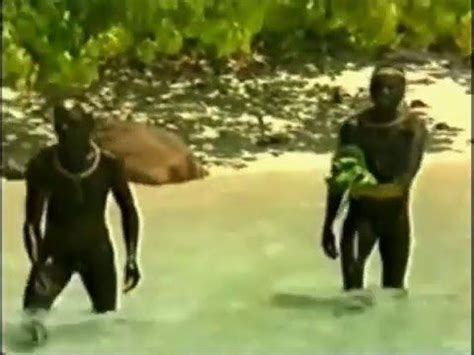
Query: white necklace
[(386, 124), (83, 174), (402, 116)]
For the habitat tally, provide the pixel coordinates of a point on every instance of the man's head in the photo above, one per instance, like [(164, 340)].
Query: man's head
[(387, 86), (73, 126)]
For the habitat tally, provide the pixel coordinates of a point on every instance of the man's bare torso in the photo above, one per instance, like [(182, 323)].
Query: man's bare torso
[(387, 149), (75, 208)]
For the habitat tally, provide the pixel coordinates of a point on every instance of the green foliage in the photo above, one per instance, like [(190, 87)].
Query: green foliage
[(372, 24), (463, 34), (18, 66), (349, 169), (63, 43), (108, 44)]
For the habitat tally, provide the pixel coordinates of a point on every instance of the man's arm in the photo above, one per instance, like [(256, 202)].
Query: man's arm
[(34, 207), (401, 184), (130, 221)]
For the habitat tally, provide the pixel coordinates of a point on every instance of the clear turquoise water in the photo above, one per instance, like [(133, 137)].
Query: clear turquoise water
[(232, 266)]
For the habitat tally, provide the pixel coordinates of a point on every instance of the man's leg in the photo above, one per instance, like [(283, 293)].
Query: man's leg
[(357, 243), (395, 252), (100, 279), (45, 282)]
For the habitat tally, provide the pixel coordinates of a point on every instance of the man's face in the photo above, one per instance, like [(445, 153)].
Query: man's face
[(73, 129), (387, 90)]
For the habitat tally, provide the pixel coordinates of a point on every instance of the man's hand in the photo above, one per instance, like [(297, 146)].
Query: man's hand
[(132, 275), (329, 244)]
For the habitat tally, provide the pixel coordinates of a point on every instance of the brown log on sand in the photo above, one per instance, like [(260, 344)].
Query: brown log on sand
[(152, 156)]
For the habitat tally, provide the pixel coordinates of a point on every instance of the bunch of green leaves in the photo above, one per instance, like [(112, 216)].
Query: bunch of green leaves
[(428, 22), (45, 30), (230, 26), (283, 16), (371, 24), (107, 45), (18, 67), (153, 28), (349, 169)]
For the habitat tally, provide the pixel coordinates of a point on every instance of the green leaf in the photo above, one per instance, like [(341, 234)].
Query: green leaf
[(251, 14), (463, 36), (109, 44), (197, 6), (146, 51), (17, 65), (168, 4), (222, 36), (195, 29), (168, 39), (26, 28), (283, 17), (444, 21)]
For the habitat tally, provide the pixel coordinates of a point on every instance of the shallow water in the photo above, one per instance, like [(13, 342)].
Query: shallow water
[(232, 266)]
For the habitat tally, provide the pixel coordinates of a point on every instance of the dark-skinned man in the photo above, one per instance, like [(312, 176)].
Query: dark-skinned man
[(392, 140), (73, 179)]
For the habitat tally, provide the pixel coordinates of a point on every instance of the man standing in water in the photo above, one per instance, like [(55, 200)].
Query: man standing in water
[(392, 140), (74, 178)]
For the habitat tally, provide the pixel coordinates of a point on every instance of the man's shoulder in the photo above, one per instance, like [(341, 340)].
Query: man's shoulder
[(113, 166), (353, 122), (42, 158), (110, 160), (358, 117), (414, 121), (410, 119), (108, 156), (41, 163), (44, 153)]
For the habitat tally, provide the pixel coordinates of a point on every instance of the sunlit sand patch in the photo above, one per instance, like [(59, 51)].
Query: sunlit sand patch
[(209, 133), (279, 124), (9, 94), (447, 101)]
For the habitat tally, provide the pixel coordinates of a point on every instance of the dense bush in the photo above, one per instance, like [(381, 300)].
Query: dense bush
[(61, 44)]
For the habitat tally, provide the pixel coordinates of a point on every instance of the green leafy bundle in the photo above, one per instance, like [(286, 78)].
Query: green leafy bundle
[(349, 169)]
